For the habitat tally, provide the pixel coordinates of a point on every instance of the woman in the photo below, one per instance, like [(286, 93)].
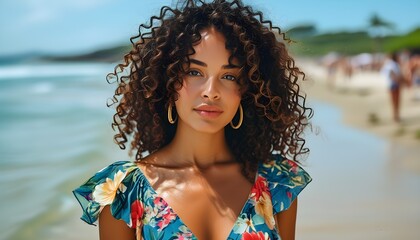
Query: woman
[(392, 72), (212, 103)]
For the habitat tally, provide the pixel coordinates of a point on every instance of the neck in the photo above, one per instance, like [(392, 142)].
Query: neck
[(192, 148)]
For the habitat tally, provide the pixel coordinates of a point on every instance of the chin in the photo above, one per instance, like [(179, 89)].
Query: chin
[(208, 128)]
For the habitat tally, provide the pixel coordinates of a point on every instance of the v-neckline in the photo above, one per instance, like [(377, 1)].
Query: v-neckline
[(156, 195)]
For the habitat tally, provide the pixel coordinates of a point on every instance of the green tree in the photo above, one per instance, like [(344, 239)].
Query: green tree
[(378, 27)]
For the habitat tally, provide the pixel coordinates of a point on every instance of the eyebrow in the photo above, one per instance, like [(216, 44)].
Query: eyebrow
[(200, 63)]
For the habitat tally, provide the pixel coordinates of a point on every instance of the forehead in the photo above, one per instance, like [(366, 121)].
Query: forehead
[(211, 46)]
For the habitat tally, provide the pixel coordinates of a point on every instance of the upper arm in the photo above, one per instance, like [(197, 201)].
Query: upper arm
[(111, 228), (286, 222)]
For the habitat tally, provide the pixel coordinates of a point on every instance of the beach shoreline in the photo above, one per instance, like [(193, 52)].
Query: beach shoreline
[(365, 102)]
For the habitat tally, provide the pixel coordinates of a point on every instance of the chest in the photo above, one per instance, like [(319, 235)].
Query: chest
[(208, 207)]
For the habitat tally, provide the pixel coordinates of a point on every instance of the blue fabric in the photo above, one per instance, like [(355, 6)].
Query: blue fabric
[(132, 199)]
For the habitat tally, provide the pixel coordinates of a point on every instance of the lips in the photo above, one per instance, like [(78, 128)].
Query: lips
[(208, 111)]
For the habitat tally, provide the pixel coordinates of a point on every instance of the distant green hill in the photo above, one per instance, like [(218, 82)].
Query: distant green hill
[(350, 43), (307, 43), (408, 41), (104, 55), (342, 42)]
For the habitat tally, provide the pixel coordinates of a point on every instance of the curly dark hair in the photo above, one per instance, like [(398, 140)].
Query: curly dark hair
[(275, 114)]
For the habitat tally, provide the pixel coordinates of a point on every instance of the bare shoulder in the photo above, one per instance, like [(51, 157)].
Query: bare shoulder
[(159, 158), (157, 167)]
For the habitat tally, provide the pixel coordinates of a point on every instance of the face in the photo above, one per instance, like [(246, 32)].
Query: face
[(210, 96)]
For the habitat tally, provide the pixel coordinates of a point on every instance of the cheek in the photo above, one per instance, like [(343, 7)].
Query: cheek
[(183, 93), (234, 100), (181, 100), (185, 98), (188, 89), (234, 95)]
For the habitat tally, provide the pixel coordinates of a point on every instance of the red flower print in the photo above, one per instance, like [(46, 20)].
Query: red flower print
[(159, 203), (254, 236), (184, 236), (260, 187), (263, 205), (137, 211), (293, 166), (292, 163), (167, 218), (289, 195)]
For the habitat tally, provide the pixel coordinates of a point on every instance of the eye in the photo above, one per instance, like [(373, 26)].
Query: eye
[(194, 73), (230, 77)]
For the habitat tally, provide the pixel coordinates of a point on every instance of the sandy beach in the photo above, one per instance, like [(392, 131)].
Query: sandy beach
[(366, 173), (366, 105)]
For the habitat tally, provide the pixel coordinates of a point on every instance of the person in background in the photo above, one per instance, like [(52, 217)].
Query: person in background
[(414, 75), (392, 72), (210, 101)]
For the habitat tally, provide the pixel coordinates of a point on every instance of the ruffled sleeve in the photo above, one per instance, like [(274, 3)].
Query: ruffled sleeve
[(285, 181), (117, 185)]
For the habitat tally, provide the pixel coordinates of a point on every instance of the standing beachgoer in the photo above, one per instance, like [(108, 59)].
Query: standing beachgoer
[(392, 72)]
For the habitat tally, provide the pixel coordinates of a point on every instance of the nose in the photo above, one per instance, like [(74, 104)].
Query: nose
[(211, 89)]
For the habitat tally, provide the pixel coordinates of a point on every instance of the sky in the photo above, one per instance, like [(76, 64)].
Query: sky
[(79, 26)]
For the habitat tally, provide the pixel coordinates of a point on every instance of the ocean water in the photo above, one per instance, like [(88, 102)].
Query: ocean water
[(55, 133)]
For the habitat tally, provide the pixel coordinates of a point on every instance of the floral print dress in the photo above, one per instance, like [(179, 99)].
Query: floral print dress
[(132, 199)]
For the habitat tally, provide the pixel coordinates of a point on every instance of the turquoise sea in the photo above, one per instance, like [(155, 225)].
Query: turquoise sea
[(55, 132)]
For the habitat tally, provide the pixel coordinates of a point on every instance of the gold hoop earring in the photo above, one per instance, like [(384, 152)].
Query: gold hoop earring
[(170, 118), (241, 118)]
